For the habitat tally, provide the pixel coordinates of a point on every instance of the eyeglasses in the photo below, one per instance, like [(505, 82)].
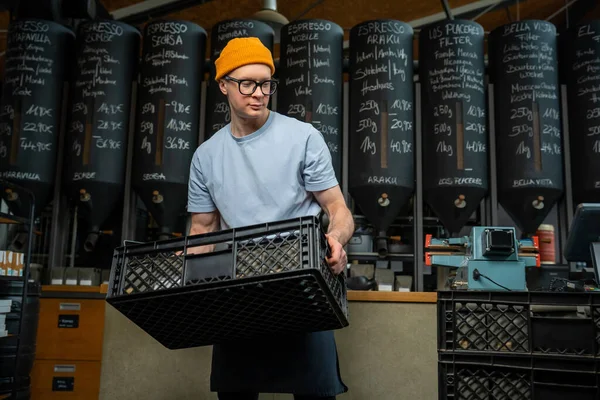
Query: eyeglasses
[(248, 86)]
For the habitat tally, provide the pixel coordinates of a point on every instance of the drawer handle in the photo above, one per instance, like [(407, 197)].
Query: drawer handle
[(70, 306), (64, 368)]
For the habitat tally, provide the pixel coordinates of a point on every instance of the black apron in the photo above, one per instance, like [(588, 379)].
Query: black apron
[(302, 364)]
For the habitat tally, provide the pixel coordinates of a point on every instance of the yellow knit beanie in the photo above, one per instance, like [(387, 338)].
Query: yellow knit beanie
[(242, 51)]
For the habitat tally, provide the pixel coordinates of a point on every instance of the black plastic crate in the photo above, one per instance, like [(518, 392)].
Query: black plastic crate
[(514, 377), (259, 280), (554, 323)]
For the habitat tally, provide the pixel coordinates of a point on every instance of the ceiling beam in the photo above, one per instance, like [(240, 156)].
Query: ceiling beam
[(574, 13), (464, 12), (149, 9)]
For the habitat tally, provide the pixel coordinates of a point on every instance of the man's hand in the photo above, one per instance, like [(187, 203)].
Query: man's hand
[(338, 259)]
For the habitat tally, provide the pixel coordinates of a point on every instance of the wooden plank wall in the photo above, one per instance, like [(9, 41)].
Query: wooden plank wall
[(348, 13), (345, 13)]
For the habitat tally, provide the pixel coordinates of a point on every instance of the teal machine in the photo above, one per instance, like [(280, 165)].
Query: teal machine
[(491, 258)]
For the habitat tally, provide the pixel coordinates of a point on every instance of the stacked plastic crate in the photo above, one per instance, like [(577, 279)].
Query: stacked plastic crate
[(518, 345), (262, 279)]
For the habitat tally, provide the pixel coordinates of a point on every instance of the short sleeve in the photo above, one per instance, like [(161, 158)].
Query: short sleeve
[(318, 168), (199, 198)]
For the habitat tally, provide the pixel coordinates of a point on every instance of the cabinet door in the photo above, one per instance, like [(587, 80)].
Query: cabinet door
[(63, 379), (70, 329)]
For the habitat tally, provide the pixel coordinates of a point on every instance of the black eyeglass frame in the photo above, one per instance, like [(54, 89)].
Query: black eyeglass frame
[(256, 84)]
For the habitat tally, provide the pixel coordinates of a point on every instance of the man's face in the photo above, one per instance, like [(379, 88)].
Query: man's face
[(247, 106)]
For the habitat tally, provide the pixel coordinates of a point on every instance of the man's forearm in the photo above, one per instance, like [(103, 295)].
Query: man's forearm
[(200, 249), (341, 224), (200, 226)]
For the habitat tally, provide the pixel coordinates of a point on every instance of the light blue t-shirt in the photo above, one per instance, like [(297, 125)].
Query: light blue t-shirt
[(263, 177)]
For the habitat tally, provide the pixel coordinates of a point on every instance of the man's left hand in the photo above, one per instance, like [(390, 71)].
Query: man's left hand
[(338, 259)]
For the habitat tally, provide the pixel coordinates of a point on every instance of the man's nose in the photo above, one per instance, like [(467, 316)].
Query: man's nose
[(258, 93)]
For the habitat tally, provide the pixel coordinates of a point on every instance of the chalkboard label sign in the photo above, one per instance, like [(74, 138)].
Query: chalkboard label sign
[(381, 126), (582, 62), (452, 71), (98, 126), (168, 103), (524, 71), (381, 104), (35, 70), (68, 321), (310, 80), (218, 114), (63, 384)]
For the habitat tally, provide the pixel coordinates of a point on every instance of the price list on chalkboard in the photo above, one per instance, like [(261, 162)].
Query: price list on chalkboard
[(310, 80), (382, 105), (454, 105), (100, 105), (30, 112), (218, 107), (168, 101), (582, 60), (523, 66)]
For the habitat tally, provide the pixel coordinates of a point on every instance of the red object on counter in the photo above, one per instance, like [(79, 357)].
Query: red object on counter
[(545, 233)]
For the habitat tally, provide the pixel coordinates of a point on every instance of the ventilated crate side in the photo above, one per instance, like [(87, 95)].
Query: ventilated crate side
[(597, 326), (468, 382), (488, 377), (487, 327), (201, 315), (259, 280), (255, 250), (520, 323)]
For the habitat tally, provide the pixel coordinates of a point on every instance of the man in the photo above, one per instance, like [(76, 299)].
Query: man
[(265, 167)]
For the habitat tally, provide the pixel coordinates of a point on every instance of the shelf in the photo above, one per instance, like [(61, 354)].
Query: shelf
[(72, 288), (12, 219), (74, 291), (392, 297), (28, 232), (406, 220), (10, 335), (11, 278), (409, 257)]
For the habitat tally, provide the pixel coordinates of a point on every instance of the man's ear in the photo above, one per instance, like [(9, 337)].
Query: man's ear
[(222, 86)]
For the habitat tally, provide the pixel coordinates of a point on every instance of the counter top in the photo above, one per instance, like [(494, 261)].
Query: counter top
[(393, 297), (74, 291), (99, 292)]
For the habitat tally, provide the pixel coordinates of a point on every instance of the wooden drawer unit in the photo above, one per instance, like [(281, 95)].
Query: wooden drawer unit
[(70, 329), (61, 379)]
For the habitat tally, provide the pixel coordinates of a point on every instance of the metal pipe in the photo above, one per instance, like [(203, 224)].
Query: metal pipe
[(419, 245), (308, 9), (20, 241), (381, 243), (560, 10), (141, 12), (457, 11), (73, 239), (487, 10), (270, 5), (90, 241), (447, 9)]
